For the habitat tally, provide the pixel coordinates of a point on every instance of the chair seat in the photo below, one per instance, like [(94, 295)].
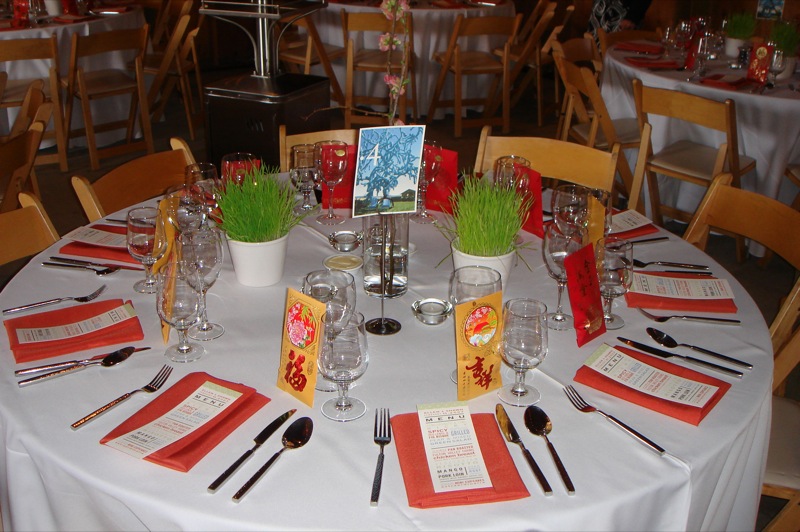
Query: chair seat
[(474, 62), (109, 81), (783, 460), (369, 59), (16, 89), (693, 159), (627, 130), (297, 52)]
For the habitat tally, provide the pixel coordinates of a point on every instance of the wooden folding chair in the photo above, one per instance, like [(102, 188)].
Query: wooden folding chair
[(14, 93), (350, 136), (91, 85), (25, 231), (462, 62), (607, 40), (583, 52), (135, 181), (167, 19), (17, 156), (777, 227)]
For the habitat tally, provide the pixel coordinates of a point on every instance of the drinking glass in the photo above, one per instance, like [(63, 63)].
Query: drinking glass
[(203, 179), (523, 347), (570, 208), (615, 272), (342, 361), (602, 199), (508, 173), (668, 41), (557, 246), (431, 166), (178, 303), (777, 64), (236, 165), (202, 254), (683, 37), (303, 174), (186, 207), (146, 243), (331, 159)]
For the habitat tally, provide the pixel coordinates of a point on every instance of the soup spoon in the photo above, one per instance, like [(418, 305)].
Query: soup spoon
[(669, 342), (538, 423)]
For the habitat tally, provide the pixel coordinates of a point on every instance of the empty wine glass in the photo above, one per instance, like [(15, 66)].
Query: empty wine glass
[(186, 207), (202, 253), (570, 208), (342, 361), (615, 272), (431, 166), (777, 64), (508, 172), (178, 303), (146, 243), (683, 37), (668, 41), (236, 165), (331, 158), (557, 246), (303, 174), (203, 179), (523, 347)]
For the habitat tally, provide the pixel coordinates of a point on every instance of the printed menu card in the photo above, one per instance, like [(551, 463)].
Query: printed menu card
[(680, 291), (478, 325)]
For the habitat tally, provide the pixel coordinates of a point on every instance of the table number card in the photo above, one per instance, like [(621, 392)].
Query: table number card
[(584, 294), (478, 327), (759, 63), (451, 447), (302, 339)]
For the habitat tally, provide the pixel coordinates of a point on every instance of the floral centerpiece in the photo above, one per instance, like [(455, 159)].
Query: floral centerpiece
[(395, 11)]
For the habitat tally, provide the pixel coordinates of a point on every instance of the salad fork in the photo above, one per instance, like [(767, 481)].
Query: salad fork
[(152, 386), (383, 436), (579, 403), (708, 319), (79, 299)]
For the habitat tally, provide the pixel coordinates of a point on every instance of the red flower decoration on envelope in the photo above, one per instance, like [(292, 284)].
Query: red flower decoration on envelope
[(301, 325)]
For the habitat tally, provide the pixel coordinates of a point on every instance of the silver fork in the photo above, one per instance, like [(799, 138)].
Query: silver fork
[(79, 299), (383, 436), (578, 402), (152, 386), (708, 319)]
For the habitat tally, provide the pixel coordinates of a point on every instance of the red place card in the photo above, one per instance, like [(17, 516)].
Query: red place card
[(584, 294), (759, 63)]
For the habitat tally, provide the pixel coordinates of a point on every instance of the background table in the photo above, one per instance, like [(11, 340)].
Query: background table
[(57, 479), (432, 29)]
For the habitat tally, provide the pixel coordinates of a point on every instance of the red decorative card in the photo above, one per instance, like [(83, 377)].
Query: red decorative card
[(584, 294), (759, 63)]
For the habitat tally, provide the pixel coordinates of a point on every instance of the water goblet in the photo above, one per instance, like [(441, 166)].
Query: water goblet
[(431, 166), (146, 243), (777, 64), (331, 159), (186, 207), (236, 165), (523, 347), (202, 254), (342, 361), (508, 173), (570, 208), (668, 41), (203, 179), (615, 272), (557, 246), (303, 174), (178, 303)]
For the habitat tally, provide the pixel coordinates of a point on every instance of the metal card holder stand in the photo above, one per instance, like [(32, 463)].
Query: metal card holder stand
[(385, 326)]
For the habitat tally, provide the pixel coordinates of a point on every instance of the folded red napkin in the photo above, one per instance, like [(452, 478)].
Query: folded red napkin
[(124, 332), (184, 453), (687, 413), (641, 47), (82, 249), (445, 184), (343, 192), (506, 482), (724, 81), (725, 306), (636, 232), (644, 62)]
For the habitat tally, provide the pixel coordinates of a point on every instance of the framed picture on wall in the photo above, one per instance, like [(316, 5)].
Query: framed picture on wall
[(770, 9)]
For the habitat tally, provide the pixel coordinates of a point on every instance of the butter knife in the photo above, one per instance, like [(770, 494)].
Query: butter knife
[(666, 354), (511, 434), (98, 264), (259, 440)]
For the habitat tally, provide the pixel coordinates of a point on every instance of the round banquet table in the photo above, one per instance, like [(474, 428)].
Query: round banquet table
[(58, 479), (104, 110), (768, 125), (432, 28)]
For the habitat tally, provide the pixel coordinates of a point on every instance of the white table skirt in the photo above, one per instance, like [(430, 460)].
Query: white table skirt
[(54, 478), (432, 29)]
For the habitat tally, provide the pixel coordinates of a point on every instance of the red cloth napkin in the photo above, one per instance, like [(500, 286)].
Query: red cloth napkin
[(641, 47), (534, 223), (506, 482), (183, 454), (124, 332), (689, 414), (445, 184), (343, 192), (725, 306), (636, 232), (644, 62), (725, 82), (82, 249)]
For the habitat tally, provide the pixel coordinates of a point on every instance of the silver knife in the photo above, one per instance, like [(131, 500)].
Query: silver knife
[(259, 440), (511, 434), (70, 363), (98, 264), (649, 240), (111, 359), (666, 354)]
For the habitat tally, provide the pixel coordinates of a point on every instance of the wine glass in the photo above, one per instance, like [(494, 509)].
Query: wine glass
[(236, 165), (186, 207), (203, 179), (331, 158), (178, 303), (557, 246), (615, 272), (508, 173), (777, 64), (570, 208), (523, 347), (202, 253), (683, 37), (668, 41), (146, 243), (342, 361), (303, 174), (431, 166)]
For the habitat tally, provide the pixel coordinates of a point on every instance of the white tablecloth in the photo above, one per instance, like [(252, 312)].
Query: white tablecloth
[(54, 478), (432, 29)]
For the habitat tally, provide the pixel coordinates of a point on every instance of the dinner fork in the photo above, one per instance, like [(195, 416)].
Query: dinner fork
[(152, 386), (79, 299), (578, 402), (708, 319), (383, 436), (641, 264)]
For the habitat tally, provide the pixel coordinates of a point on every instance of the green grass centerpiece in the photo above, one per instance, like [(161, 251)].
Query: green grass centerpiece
[(786, 37), (740, 26)]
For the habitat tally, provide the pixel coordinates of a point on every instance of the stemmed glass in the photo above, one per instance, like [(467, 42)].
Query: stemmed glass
[(777, 64), (178, 303), (668, 41), (570, 208), (523, 347), (615, 272), (342, 361), (683, 37), (186, 207), (431, 166), (146, 243), (303, 174), (236, 165), (557, 246), (508, 173), (202, 178), (202, 254), (331, 158)]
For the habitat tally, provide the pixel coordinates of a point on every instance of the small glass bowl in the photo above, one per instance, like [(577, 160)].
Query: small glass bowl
[(345, 263), (431, 311), (345, 241)]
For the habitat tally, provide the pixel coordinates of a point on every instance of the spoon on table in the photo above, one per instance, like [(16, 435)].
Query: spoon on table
[(296, 435), (538, 423), (669, 342)]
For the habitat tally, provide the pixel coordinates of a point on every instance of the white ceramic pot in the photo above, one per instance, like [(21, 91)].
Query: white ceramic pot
[(732, 46), (259, 263), (788, 72), (54, 7), (503, 263)]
